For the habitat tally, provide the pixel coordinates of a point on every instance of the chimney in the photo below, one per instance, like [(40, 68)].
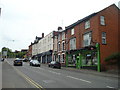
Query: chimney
[(59, 28), (42, 35)]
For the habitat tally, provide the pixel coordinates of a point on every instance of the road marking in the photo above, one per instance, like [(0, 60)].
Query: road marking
[(55, 72), (48, 81), (29, 80), (41, 68), (78, 79), (109, 87)]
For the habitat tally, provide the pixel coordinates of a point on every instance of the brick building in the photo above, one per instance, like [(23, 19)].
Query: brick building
[(61, 46), (30, 50), (101, 27)]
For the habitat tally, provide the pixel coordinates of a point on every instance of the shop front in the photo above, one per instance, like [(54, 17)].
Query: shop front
[(87, 57)]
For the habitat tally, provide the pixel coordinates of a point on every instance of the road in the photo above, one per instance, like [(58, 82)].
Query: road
[(44, 77)]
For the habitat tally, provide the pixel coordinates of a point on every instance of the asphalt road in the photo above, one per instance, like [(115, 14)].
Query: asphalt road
[(43, 77)]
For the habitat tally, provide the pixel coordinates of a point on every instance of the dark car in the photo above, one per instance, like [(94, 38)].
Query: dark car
[(2, 59), (54, 64), (25, 60), (18, 62), (34, 63)]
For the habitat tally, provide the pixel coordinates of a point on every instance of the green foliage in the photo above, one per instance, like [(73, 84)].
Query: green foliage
[(11, 54), (20, 54), (114, 56)]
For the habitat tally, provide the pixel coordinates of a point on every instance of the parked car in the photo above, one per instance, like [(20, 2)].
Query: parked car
[(25, 60), (17, 62), (34, 63), (54, 64), (2, 59)]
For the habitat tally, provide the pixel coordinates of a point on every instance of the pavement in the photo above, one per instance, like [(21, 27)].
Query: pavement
[(112, 73)]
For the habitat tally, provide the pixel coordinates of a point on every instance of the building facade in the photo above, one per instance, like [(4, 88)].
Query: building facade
[(101, 28), (61, 46)]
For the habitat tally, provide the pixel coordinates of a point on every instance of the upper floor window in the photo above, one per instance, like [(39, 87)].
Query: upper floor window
[(63, 46), (103, 37), (87, 24), (58, 46), (72, 31), (102, 20), (58, 37), (87, 39), (63, 35), (72, 43)]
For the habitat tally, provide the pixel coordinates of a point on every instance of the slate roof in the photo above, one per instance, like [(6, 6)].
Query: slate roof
[(80, 21)]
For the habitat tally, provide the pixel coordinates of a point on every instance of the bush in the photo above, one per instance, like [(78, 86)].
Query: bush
[(114, 56)]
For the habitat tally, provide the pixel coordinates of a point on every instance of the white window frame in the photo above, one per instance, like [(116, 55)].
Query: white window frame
[(102, 20), (104, 38), (59, 46), (87, 39), (73, 44), (72, 31), (87, 24)]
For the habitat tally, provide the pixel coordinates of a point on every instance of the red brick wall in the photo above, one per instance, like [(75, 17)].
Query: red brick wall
[(111, 29)]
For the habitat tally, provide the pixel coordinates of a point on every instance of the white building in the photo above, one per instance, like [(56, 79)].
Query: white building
[(35, 46), (45, 48)]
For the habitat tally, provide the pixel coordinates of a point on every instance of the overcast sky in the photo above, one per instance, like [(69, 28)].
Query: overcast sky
[(22, 20)]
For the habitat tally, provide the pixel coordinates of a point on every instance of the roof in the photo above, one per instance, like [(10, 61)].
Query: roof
[(79, 21), (87, 18)]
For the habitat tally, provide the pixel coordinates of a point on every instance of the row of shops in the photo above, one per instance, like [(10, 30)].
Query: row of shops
[(79, 58)]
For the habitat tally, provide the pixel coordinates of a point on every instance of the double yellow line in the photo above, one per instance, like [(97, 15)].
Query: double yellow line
[(29, 80)]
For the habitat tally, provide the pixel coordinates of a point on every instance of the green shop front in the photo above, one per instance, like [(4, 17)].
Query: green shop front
[(87, 57)]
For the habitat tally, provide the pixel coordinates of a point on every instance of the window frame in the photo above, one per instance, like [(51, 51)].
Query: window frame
[(72, 31), (104, 41), (102, 20), (87, 24), (72, 43), (88, 39)]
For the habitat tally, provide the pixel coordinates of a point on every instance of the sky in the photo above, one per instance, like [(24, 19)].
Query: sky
[(22, 20)]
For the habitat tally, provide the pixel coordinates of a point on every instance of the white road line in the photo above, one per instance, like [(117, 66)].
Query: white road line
[(41, 68), (79, 79), (55, 72), (109, 87)]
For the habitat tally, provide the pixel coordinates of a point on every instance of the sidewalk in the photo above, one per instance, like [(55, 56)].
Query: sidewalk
[(94, 72), (113, 74)]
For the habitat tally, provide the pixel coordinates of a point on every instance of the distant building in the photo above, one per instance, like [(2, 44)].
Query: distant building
[(61, 46), (35, 46), (24, 50), (45, 48)]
